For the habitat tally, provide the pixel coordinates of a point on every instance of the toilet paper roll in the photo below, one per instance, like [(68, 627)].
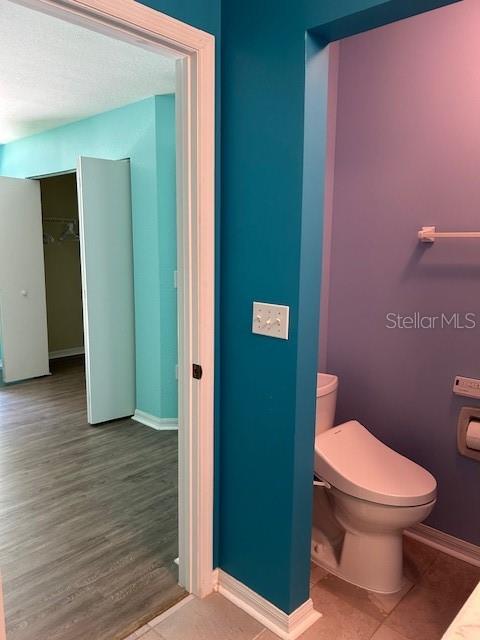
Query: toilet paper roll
[(473, 435)]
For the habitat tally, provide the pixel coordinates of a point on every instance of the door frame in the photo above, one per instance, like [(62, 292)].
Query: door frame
[(194, 51)]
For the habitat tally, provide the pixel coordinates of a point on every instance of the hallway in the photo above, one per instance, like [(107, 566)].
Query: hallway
[(88, 528)]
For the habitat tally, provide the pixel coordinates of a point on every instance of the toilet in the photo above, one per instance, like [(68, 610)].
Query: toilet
[(366, 494)]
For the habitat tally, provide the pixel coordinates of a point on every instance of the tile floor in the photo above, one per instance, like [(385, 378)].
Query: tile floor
[(436, 587)]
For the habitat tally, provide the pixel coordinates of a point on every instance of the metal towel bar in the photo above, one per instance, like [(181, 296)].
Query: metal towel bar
[(429, 234)]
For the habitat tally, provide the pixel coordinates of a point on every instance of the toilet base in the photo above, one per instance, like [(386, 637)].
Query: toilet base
[(373, 563), (360, 541)]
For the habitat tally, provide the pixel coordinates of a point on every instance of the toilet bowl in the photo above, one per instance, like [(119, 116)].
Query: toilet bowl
[(366, 495)]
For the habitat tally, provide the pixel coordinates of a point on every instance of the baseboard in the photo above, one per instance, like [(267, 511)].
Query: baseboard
[(160, 424), (286, 626), (450, 545), (215, 579), (65, 353)]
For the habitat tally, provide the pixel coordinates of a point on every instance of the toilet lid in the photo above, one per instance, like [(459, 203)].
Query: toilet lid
[(352, 460)]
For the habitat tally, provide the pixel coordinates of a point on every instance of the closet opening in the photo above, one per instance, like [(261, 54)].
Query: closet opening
[(63, 279)]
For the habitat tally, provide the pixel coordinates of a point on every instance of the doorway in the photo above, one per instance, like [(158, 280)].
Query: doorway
[(63, 278), (195, 262), (96, 241), (113, 486)]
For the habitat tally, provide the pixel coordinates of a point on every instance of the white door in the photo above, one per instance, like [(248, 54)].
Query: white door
[(105, 217), (23, 310)]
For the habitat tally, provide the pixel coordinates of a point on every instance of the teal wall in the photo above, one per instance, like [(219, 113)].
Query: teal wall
[(203, 14), (267, 250), (145, 133), (273, 148)]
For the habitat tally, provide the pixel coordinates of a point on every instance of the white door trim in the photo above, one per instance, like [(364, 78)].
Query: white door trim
[(195, 50)]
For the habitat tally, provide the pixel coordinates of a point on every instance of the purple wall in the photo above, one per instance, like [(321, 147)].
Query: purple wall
[(408, 154)]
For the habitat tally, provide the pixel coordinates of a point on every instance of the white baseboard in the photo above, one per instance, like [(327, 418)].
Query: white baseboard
[(160, 424), (65, 353), (450, 545), (215, 579), (286, 626)]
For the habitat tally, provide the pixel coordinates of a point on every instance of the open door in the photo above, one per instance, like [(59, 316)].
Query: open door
[(23, 310), (105, 219)]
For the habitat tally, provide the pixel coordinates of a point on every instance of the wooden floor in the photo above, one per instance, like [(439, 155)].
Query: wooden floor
[(88, 515)]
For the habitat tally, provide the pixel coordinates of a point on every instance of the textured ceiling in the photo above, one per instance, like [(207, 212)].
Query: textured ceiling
[(53, 72)]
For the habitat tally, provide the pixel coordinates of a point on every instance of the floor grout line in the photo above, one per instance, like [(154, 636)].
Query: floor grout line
[(413, 588), (380, 624)]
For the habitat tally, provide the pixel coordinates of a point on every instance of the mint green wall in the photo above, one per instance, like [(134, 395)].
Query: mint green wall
[(145, 133), (167, 244)]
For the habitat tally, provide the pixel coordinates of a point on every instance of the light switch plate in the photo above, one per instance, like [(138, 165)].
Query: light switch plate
[(270, 320)]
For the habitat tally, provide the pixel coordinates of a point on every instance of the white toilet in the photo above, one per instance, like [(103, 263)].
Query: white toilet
[(366, 495)]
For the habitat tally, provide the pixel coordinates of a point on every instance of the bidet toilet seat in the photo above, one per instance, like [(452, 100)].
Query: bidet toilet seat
[(371, 495), (352, 460)]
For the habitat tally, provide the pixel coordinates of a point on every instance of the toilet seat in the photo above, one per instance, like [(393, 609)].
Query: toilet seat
[(350, 458)]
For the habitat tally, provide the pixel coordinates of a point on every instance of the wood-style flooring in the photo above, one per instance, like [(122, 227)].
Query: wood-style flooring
[(88, 515)]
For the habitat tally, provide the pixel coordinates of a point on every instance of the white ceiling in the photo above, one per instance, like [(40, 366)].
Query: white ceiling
[(53, 72)]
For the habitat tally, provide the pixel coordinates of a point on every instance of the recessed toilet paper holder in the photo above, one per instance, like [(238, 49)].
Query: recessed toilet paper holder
[(467, 414)]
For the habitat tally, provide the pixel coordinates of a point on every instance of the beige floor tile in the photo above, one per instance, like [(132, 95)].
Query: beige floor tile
[(351, 595), (386, 603), (166, 614), (417, 558), (419, 612), (139, 633), (427, 610), (340, 620), (214, 618), (355, 627), (267, 635), (150, 634), (316, 574), (384, 633), (376, 605)]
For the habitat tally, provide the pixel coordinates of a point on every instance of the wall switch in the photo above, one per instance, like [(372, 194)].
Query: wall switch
[(468, 387), (270, 320)]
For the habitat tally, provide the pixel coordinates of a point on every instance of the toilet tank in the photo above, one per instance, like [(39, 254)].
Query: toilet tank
[(326, 401)]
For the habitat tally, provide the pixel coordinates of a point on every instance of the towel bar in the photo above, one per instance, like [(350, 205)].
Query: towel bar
[(429, 234)]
